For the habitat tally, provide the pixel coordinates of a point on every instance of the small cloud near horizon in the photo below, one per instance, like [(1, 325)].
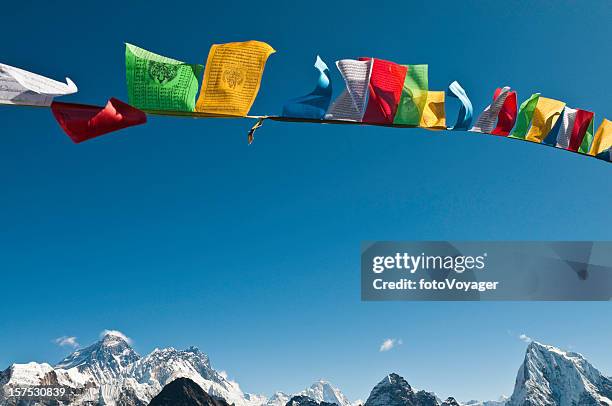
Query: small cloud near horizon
[(67, 341), (116, 333), (525, 338), (389, 344)]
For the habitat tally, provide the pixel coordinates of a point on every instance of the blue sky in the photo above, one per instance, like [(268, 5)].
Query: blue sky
[(178, 233)]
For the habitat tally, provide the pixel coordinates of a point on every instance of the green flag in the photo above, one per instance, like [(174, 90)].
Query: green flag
[(414, 96), (525, 114), (159, 83), (588, 139)]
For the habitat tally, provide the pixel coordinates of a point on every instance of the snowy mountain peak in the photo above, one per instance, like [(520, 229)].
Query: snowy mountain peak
[(104, 360), (551, 376), (323, 391), (394, 390)]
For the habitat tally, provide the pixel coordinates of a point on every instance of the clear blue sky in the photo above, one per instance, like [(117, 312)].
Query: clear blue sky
[(178, 233)]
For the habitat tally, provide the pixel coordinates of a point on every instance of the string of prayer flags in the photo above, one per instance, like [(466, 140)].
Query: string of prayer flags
[(464, 118), (232, 77), (351, 103), (20, 87), (602, 143), (314, 104), (486, 122), (507, 115), (375, 92), (156, 82), (434, 115), (414, 95), (385, 91), (83, 122)]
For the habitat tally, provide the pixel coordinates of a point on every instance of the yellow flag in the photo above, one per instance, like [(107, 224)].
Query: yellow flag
[(545, 115), (603, 138), (232, 77), (434, 116)]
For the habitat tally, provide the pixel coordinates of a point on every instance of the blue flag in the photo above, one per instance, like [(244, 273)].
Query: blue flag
[(464, 119), (315, 104)]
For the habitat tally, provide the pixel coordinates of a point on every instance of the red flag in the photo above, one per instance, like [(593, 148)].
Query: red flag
[(83, 122), (507, 115), (581, 125), (385, 88)]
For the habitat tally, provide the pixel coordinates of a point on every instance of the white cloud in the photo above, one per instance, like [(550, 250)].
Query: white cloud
[(389, 344), (525, 338), (224, 374), (116, 333), (66, 341)]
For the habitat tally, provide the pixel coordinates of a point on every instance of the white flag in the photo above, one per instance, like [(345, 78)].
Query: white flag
[(18, 86), (488, 118), (567, 125), (351, 104)]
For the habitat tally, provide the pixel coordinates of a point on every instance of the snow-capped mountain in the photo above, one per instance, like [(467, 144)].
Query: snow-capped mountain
[(552, 377), (500, 402), (103, 361), (301, 400), (320, 391), (323, 391), (110, 372), (393, 390), (278, 399)]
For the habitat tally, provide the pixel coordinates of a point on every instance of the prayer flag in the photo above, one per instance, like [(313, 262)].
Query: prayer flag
[(414, 96), (434, 116), (315, 104), (602, 143), (580, 140), (464, 118), (18, 86), (82, 122), (350, 105), (232, 77), (386, 83), (525, 115), (545, 115), (488, 118), (507, 115), (159, 83), (568, 117), (585, 147)]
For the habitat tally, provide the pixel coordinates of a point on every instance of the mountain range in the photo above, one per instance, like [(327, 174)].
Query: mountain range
[(109, 372)]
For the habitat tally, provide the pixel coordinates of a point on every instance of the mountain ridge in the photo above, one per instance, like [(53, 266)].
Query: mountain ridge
[(110, 372)]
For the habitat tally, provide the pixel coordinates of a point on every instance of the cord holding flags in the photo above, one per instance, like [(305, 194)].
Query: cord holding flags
[(375, 92)]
